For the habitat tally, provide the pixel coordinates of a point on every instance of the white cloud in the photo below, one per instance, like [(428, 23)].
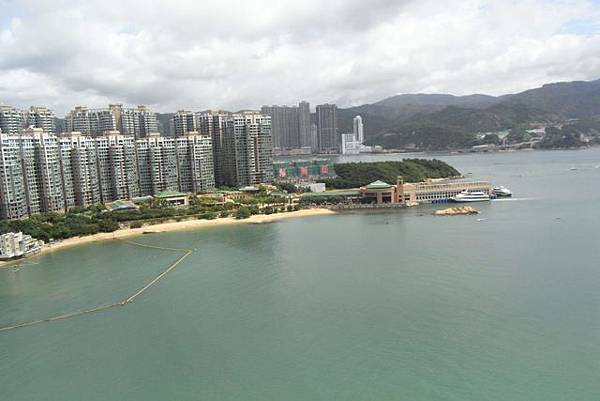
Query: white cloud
[(241, 54)]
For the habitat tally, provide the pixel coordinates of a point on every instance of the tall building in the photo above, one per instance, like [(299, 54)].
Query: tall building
[(139, 122), (183, 122), (12, 120), (49, 174), (357, 129), (247, 152), (290, 127), (41, 117), (212, 124), (13, 203), (304, 124), (195, 162), (41, 172), (84, 168), (117, 166), (327, 129)]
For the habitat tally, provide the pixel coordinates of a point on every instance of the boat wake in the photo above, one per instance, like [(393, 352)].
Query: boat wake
[(513, 199)]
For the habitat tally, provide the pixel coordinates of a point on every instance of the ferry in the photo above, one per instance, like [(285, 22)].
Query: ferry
[(501, 192), (470, 196)]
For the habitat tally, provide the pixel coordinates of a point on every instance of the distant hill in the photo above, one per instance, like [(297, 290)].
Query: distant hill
[(420, 99), (570, 99), (444, 121)]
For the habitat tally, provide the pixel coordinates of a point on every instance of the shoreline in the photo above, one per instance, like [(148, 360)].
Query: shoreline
[(184, 225)]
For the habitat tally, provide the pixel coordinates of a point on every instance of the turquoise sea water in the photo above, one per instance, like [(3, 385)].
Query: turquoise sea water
[(397, 305)]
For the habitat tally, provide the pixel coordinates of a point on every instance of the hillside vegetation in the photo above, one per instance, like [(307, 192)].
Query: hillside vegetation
[(443, 122), (354, 175)]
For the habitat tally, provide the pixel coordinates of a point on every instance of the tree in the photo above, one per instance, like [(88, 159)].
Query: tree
[(242, 213)]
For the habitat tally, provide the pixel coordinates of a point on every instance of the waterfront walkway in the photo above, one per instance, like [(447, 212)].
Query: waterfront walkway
[(129, 299)]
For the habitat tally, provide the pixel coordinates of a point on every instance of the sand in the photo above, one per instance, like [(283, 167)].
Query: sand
[(192, 224)]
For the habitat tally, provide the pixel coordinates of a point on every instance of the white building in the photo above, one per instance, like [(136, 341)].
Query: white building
[(18, 245), (139, 122), (350, 146), (357, 129)]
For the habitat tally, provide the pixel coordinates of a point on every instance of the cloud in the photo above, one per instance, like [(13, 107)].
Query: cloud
[(241, 54)]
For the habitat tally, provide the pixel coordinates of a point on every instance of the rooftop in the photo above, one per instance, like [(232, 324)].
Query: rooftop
[(169, 193), (378, 185)]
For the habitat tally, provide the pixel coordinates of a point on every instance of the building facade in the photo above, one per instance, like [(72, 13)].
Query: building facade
[(41, 172), (13, 121), (358, 129), (327, 129), (247, 151), (139, 122), (290, 128), (18, 245), (183, 122)]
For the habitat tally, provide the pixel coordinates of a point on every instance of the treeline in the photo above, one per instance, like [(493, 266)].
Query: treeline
[(96, 219), (354, 175), (77, 222)]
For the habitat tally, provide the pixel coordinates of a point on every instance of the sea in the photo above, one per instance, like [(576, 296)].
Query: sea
[(392, 305)]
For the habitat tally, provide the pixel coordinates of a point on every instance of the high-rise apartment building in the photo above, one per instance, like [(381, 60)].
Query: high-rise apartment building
[(117, 166), (139, 122), (357, 129), (41, 117), (304, 124), (247, 153), (195, 162), (13, 120), (13, 202), (327, 129), (41, 172), (212, 124), (83, 166), (290, 127), (183, 122)]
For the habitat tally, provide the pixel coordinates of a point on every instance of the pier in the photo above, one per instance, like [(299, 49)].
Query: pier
[(129, 299)]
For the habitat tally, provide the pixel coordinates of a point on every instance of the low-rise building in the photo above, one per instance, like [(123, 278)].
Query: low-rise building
[(18, 245), (432, 191)]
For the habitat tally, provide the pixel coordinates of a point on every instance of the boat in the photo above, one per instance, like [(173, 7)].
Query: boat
[(573, 169), (470, 196), (502, 192)]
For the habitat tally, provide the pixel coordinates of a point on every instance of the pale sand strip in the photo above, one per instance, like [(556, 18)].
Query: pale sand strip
[(191, 224)]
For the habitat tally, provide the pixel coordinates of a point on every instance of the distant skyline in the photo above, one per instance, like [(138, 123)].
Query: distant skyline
[(236, 54)]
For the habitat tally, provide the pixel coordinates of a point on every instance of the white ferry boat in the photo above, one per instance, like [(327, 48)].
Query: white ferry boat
[(502, 192), (470, 196)]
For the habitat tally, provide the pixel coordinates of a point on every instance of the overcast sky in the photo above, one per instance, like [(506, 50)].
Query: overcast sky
[(237, 54)]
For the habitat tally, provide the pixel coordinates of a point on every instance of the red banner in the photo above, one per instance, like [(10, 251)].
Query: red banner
[(303, 171), (282, 173)]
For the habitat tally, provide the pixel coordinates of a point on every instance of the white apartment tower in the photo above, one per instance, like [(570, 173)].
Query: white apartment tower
[(195, 162), (357, 129), (13, 202), (183, 122), (247, 153)]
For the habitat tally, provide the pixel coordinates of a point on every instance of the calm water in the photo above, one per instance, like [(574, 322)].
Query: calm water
[(390, 306)]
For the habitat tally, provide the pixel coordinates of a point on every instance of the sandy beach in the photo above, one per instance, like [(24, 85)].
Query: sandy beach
[(191, 224)]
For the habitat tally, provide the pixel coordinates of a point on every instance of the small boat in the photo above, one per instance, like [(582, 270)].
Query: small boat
[(470, 196), (573, 169), (502, 192), (482, 219)]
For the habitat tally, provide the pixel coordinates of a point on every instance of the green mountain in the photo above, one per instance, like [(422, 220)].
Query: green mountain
[(439, 122)]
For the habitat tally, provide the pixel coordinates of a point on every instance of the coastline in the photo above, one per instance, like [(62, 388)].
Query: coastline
[(184, 225)]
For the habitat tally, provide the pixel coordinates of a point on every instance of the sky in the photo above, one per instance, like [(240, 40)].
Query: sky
[(237, 54)]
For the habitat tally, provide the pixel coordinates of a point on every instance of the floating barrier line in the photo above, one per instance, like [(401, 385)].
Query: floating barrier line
[(124, 302)]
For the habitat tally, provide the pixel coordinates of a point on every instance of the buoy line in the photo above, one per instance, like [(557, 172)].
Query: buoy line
[(125, 301)]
